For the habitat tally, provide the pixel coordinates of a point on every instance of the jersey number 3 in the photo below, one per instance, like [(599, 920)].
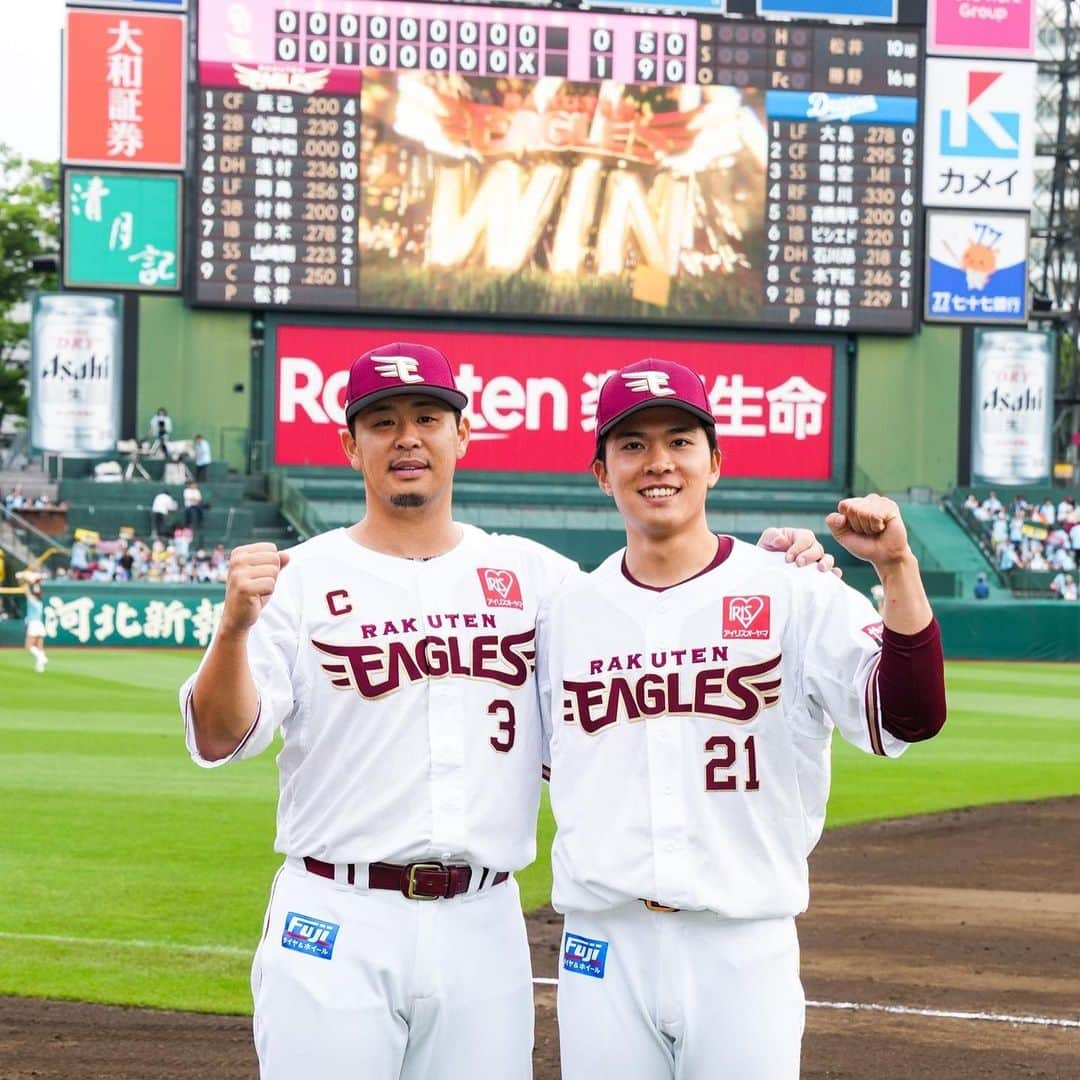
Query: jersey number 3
[(504, 741), (718, 776)]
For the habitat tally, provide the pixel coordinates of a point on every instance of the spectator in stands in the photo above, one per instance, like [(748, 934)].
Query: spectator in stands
[(971, 503), (105, 569), (1037, 560), (160, 509), (1074, 540), (200, 450), (193, 506), (1058, 537), (982, 587), (992, 504), (1069, 590), (1007, 558), (1066, 510), (79, 559), (1046, 512), (15, 499), (160, 430), (999, 530), (1016, 527), (1062, 559)]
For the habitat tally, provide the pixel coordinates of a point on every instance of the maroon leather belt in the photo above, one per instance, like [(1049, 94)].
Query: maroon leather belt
[(416, 881)]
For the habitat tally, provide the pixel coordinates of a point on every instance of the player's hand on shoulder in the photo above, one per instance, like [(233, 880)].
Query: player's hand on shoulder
[(871, 528), (253, 575), (801, 547)]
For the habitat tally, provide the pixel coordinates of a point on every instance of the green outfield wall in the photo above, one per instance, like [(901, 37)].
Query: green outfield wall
[(85, 613), (1009, 629), (191, 361), (907, 411)]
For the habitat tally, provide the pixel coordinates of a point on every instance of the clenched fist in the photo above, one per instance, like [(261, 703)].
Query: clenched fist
[(870, 527), (253, 574)]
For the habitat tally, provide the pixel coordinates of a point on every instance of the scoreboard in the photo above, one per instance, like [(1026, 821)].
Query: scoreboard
[(417, 158)]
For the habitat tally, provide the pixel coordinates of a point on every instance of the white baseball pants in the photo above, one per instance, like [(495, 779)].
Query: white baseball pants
[(679, 996), (373, 986)]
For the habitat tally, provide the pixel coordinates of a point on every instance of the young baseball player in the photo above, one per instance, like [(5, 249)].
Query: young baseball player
[(691, 685), (396, 657)]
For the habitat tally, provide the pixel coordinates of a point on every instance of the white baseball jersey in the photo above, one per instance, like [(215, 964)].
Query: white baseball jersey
[(690, 730), (406, 695)]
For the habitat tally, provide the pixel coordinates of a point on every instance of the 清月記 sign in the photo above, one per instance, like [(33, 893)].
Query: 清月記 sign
[(122, 230)]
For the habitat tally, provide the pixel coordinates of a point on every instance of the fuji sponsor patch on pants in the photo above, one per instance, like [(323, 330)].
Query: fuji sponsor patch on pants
[(304, 934), (584, 956)]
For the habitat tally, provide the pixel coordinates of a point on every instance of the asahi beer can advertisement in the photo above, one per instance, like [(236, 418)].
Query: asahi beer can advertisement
[(75, 373), (1012, 402)]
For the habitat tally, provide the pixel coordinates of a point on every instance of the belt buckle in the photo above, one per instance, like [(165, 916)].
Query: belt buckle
[(410, 880)]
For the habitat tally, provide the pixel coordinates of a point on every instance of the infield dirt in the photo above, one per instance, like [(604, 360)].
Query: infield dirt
[(970, 911)]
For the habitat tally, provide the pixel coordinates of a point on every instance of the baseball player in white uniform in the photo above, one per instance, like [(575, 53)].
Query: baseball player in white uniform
[(691, 685), (397, 659)]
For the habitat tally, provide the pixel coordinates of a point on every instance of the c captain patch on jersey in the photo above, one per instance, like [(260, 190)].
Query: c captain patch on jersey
[(746, 617), (304, 934), (584, 956)]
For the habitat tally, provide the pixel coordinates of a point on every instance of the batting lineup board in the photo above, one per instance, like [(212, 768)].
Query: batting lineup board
[(360, 155)]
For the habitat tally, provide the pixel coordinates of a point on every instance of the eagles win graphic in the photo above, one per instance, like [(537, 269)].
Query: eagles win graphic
[(532, 196)]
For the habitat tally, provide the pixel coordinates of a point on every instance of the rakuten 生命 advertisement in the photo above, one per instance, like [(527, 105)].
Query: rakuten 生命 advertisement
[(532, 397)]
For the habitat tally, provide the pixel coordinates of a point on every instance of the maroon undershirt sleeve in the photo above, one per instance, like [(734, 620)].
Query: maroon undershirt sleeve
[(911, 682)]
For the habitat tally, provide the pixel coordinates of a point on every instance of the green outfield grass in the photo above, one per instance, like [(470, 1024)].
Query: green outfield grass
[(129, 875)]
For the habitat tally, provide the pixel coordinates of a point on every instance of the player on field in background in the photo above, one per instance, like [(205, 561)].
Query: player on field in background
[(690, 686), (397, 658), (35, 619)]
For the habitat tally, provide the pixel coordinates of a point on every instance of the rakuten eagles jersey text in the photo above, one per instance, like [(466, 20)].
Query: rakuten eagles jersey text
[(406, 695), (690, 731)]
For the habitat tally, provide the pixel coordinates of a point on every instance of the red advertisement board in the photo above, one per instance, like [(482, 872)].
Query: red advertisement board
[(532, 398), (124, 89)]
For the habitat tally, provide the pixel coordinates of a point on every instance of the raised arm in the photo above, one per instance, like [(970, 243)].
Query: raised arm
[(224, 699), (871, 528), (911, 675)]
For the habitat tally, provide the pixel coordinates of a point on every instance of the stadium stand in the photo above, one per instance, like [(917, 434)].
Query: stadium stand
[(1030, 540)]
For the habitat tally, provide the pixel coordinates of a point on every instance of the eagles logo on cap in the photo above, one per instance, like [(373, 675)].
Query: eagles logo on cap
[(400, 368), (648, 384)]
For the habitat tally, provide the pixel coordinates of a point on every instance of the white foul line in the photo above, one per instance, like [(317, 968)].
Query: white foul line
[(1000, 1018), (226, 950), (233, 950), (907, 1010)]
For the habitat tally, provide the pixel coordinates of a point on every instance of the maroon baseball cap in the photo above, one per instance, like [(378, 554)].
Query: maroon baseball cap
[(648, 384), (400, 368)]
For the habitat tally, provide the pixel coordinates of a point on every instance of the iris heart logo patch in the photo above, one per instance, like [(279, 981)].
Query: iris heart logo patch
[(501, 587), (746, 617)]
